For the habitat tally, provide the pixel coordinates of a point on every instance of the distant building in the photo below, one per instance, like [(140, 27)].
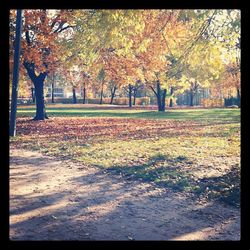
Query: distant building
[(58, 92)]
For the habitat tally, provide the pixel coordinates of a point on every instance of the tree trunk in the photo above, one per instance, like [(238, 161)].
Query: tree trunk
[(39, 93), (134, 95), (160, 96), (238, 96), (112, 95), (130, 95), (238, 93), (112, 98), (74, 95), (163, 101), (38, 82), (84, 95), (191, 98), (101, 93), (170, 103), (52, 91), (171, 100)]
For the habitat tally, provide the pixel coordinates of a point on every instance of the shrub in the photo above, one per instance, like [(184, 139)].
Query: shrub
[(121, 101), (232, 101), (212, 102), (142, 101), (116, 101)]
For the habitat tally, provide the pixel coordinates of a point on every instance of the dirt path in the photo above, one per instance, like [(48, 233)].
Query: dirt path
[(55, 200)]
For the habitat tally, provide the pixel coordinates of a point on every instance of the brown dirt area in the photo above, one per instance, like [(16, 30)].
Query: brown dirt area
[(61, 200)]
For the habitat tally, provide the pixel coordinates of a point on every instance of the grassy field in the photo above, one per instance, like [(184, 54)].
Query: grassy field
[(190, 150), (57, 110)]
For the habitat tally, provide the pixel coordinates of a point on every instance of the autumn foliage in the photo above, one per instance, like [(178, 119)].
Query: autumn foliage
[(168, 51)]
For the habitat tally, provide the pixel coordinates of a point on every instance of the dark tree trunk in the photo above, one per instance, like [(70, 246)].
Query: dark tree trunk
[(84, 95), (14, 94), (130, 87), (238, 96), (112, 98), (170, 103), (171, 100), (113, 94), (160, 96), (193, 92), (134, 95), (191, 98), (38, 82), (74, 95), (39, 93), (163, 101), (101, 93), (238, 93), (52, 90)]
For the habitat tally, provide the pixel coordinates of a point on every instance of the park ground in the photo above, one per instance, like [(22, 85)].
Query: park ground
[(110, 173)]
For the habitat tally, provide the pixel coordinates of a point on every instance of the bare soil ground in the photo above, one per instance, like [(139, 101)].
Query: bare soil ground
[(62, 200)]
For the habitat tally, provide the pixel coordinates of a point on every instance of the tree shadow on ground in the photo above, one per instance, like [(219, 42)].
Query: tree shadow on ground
[(225, 188), (109, 207), (160, 170), (167, 172)]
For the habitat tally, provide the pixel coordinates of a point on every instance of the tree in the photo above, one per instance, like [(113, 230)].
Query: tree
[(232, 77), (225, 32), (101, 79), (41, 49), (163, 49), (137, 86), (152, 49), (202, 68), (112, 86), (73, 77), (86, 82)]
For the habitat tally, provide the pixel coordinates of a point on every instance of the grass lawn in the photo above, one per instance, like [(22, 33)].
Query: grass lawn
[(190, 150), (65, 110)]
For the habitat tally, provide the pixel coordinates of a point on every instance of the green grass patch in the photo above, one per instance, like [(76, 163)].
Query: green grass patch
[(230, 115)]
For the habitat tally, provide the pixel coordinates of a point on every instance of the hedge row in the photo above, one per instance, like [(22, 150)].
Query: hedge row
[(116, 101), (215, 102), (167, 101)]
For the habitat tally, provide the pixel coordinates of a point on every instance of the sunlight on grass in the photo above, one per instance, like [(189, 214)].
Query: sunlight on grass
[(184, 114)]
